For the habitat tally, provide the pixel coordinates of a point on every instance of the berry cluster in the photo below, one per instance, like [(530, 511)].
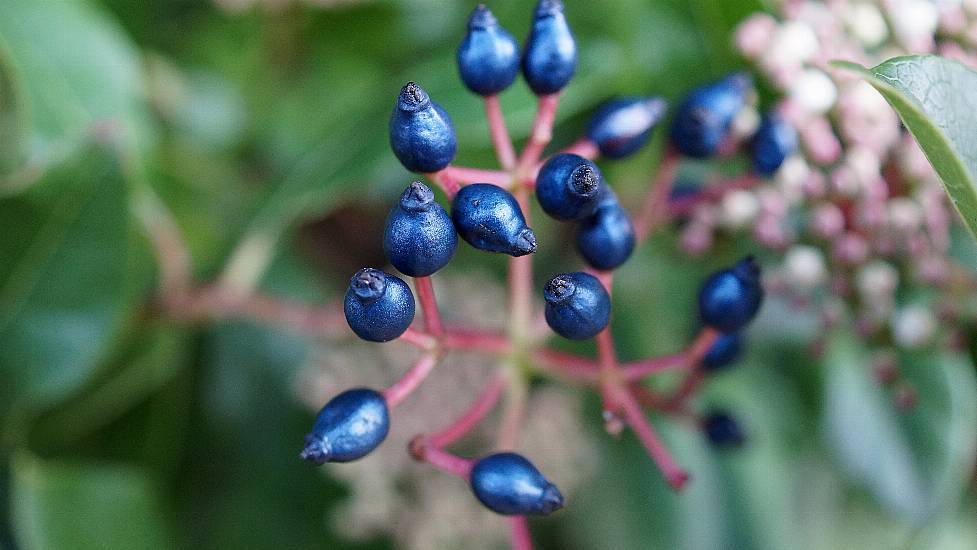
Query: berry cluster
[(489, 211)]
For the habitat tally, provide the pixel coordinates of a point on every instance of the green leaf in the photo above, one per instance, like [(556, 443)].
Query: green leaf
[(61, 505), (11, 119), (915, 463), (69, 276), (937, 101)]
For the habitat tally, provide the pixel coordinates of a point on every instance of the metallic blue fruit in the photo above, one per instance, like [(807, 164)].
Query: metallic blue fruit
[(703, 121), (729, 299), (606, 239), (489, 218), (577, 305), (550, 57), (724, 352), (508, 484), (419, 238), (379, 307), (622, 126), (774, 141), (488, 58), (722, 430), (349, 427), (421, 133), (569, 187)]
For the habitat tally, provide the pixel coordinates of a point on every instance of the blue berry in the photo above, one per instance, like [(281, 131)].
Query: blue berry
[(606, 239), (774, 141), (489, 218), (508, 484), (550, 58), (421, 133), (621, 127), (379, 307), (722, 430), (419, 238), (349, 427), (724, 352), (703, 121), (569, 187), (488, 58), (729, 299), (577, 305)]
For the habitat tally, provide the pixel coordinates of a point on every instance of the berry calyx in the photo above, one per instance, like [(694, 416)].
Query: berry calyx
[(550, 58), (419, 238), (489, 218), (606, 239), (488, 58), (421, 133), (569, 187), (577, 305), (722, 430), (350, 426), (509, 484), (774, 141), (703, 121), (723, 352), (623, 126), (729, 299), (379, 307)]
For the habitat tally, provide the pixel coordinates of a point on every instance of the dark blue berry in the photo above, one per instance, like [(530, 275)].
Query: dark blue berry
[(488, 58), (421, 133), (724, 352), (349, 427), (703, 121), (621, 127), (774, 141), (550, 58), (508, 484), (379, 307), (722, 430), (729, 299), (420, 238), (569, 187), (606, 239), (489, 218), (577, 305)]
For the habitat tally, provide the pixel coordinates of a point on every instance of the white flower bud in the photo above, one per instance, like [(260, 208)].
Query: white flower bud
[(866, 23), (804, 267), (913, 326), (738, 209), (904, 214), (877, 281), (814, 91)]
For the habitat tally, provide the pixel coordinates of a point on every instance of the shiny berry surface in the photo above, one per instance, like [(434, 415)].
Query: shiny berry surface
[(729, 299), (703, 120), (350, 426), (606, 239), (378, 306), (623, 126), (421, 133), (550, 57), (774, 141), (419, 238), (488, 218), (577, 305), (488, 58), (508, 484), (569, 187), (723, 352)]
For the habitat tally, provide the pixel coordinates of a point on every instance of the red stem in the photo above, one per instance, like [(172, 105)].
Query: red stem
[(462, 340), (500, 134), (654, 211), (467, 422), (446, 182), (607, 359), (542, 131), (521, 538), (585, 148), (464, 176), (405, 386), (641, 369), (429, 305), (565, 364), (674, 474), (442, 460), (418, 339)]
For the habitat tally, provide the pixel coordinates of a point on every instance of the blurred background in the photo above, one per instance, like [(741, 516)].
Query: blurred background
[(261, 127)]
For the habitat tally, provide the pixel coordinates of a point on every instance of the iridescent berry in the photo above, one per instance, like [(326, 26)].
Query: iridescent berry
[(508, 484), (488, 58), (421, 133), (606, 239), (577, 305), (622, 126), (722, 430), (774, 141), (489, 218), (379, 307), (419, 238), (348, 427), (703, 121), (550, 58), (724, 352), (569, 187), (729, 299)]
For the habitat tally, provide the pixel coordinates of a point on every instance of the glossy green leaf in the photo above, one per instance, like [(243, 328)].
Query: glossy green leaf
[(916, 462), (67, 506), (937, 101)]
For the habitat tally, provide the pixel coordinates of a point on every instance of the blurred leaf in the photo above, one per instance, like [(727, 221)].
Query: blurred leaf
[(69, 271), (73, 506), (916, 462), (937, 101), (11, 118)]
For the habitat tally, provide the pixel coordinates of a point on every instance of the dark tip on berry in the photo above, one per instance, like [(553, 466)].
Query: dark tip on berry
[(368, 284), (412, 98), (584, 180), (481, 18), (525, 242), (559, 289), (315, 451), (417, 197), (548, 8), (748, 269), (551, 501)]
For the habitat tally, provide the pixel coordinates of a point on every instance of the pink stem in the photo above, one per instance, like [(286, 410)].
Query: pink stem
[(585, 148), (464, 176), (429, 305), (500, 134), (495, 344), (700, 347), (446, 182), (467, 422), (690, 385), (521, 538), (418, 339), (674, 474), (654, 211), (641, 369), (607, 358), (521, 283), (405, 386), (542, 131), (565, 364), (442, 460), (711, 193)]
